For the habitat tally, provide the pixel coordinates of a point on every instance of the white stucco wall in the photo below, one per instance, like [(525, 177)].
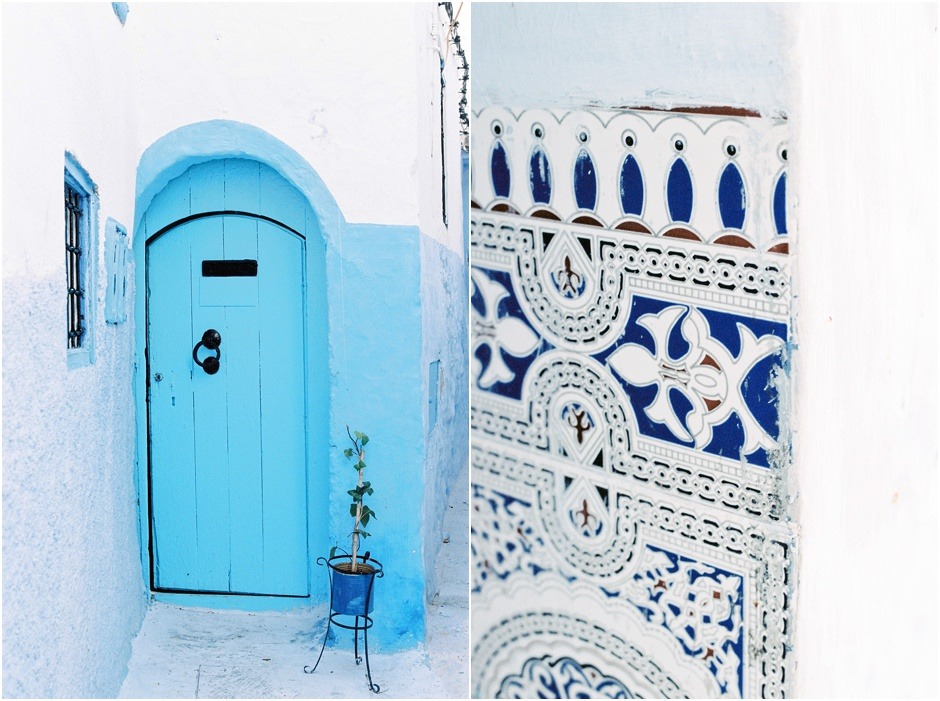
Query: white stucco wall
[(443, 289), (318, 79), (660, 55), (336, 83), (311, 76), (434, 46), (866, 375)]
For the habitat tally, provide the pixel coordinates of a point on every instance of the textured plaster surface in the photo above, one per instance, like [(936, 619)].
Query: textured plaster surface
[(73, 596), (198, 653), (72, 592), (730, 55), (444, 321)]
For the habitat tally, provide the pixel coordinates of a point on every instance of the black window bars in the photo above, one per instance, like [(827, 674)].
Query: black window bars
[(74, 213)]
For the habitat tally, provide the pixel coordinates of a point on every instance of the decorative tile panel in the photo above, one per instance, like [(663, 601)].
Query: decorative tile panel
[(630, 321)]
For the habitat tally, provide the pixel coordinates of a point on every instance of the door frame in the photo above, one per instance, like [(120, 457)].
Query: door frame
[(166, 159), (149, 467)]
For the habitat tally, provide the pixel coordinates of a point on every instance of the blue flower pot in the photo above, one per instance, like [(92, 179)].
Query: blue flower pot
[(352, 593)]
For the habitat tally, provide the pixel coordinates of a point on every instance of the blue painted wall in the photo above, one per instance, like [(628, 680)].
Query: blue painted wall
[(373, 274)]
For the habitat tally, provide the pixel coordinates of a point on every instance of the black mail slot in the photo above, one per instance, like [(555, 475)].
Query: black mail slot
[(230, 268)]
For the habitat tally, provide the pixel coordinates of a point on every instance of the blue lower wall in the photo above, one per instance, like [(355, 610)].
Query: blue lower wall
[(374, 274)]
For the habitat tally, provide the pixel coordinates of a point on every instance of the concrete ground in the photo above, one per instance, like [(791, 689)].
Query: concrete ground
[(199, 653)]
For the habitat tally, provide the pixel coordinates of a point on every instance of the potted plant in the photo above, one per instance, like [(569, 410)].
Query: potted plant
[(351, 574)]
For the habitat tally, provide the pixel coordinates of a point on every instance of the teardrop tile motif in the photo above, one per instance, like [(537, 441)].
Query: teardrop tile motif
[(679, 192), (631, 187), (780, 205), (585, 181), (732, 201), (540, 177), (499, 169)]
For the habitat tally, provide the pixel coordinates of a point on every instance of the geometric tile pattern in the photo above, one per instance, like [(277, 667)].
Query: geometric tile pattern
[(630, 326)]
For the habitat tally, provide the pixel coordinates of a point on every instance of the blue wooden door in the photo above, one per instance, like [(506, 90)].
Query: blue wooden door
[(227, 450)]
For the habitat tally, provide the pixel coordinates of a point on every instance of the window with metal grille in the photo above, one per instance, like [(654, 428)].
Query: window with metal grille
[(81, 247), (75, 210)]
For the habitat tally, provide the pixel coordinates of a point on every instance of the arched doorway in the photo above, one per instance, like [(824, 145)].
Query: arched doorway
[(229, 295)]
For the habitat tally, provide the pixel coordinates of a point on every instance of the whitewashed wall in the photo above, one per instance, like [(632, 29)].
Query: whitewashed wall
[(653, 54), (341, 96), (443, 280), (866, 371), (340, 84)]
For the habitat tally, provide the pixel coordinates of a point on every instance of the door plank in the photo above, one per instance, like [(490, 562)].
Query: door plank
[(207, 187), (171, 204), (210, 411), (280, 202), (283, 409), (173, 507), (244, 420), (242, 185)]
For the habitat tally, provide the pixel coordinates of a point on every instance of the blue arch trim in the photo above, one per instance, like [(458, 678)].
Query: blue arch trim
[(499, 170), (585, 181), (540, 177), (679, 195), (732, 200), (780, 205), (175, 152), (631, 186)]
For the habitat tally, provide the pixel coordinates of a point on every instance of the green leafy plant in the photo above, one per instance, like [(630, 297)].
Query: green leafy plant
[(358, 509)]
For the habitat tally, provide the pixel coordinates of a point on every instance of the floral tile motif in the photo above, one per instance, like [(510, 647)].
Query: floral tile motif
[(630, 341), (702, 378), (702, 606), (504, 343)]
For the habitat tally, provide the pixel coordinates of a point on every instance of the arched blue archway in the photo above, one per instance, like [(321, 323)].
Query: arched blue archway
[(204, 148), (172, 154), (364, 366)]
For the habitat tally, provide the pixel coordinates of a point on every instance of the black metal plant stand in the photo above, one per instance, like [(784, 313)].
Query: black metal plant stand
[(358, 609)]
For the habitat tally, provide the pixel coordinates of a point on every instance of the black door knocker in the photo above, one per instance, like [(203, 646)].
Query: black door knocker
[(211, 339)]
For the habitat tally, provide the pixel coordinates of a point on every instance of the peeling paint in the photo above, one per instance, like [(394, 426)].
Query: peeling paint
[(120, 11)]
